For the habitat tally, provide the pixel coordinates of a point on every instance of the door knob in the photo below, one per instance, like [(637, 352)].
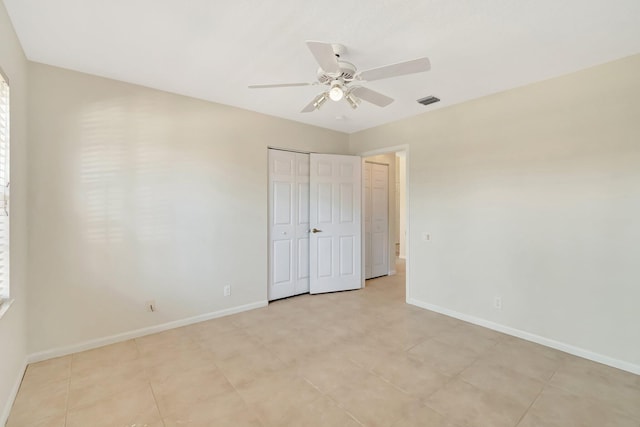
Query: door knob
[(315, 230)]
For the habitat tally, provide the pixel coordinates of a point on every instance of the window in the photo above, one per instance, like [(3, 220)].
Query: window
[(4, 189)]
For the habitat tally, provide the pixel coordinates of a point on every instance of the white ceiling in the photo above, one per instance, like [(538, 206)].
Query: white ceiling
[(213, 49)]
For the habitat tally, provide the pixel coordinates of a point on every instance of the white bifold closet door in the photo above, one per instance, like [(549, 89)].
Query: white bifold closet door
[(336, 223), (314, 223), (288, 224), (376, 219)]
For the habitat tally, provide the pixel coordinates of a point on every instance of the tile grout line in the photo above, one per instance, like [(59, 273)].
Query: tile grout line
[(153, 393), (338, 405), (546, 383), (155, 400), (589, 398), (530, 406), (450, 379), (235, 389), (66, 403)]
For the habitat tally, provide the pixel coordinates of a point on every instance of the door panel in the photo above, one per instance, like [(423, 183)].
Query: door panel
[(367, 220), (282, 203), (376, 220), (282, 262), (335, 250), (303, 204), (324, 168), (303, 261), (346, 256), (302, 224), (325, 256), (346, 203), (377, 249), (288, 224), (324, 205)]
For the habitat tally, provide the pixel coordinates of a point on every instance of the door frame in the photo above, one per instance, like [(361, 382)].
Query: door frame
[(363, 154), (387, 150)]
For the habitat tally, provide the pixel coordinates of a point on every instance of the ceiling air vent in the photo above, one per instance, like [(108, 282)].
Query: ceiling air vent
[(428, 100)]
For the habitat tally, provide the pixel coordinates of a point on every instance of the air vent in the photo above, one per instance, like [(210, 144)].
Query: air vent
[(428, 100)]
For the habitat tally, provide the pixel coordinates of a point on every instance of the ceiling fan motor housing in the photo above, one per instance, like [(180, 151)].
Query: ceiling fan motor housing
[(346, 72)]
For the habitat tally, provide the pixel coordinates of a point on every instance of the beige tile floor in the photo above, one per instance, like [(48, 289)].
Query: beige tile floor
[(345, 359)]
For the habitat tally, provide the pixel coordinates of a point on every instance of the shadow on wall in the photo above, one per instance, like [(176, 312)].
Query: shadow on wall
[(124, 171)]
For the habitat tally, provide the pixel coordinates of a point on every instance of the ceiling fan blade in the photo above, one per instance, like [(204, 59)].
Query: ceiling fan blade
[(326, 58), (372, 96), (279, 85), (400, 69), (315, 104)]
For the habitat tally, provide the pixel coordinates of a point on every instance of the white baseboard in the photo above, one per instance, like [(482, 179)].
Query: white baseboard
[(4, 416), (99, 342), (567, 348)]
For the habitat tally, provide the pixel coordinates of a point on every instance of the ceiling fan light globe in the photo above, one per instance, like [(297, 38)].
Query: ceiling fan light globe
[(336, 93)]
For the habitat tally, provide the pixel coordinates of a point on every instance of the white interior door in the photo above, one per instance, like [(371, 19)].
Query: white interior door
[(367, 220), (376, 216), (335, 219), (288, 224)]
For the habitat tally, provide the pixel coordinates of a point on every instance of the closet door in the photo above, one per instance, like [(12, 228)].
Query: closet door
[(367, 220), (302, 224), (288, 224), (335, 208), (376, 220)]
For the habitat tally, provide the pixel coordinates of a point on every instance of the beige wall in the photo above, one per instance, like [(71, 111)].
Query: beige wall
[(533, 195), (14, 323), (141, 195)]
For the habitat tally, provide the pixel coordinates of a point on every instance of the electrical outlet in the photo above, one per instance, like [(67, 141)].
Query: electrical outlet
[(497, 303), (227, 290), (151, 306)]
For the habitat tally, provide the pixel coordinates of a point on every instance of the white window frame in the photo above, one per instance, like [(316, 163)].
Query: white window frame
[(5, 135)]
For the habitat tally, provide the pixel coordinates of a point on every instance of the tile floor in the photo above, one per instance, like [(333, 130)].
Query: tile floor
[(345, 359)]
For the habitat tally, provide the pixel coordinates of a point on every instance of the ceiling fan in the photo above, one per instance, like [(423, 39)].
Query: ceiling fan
[(341, 77)]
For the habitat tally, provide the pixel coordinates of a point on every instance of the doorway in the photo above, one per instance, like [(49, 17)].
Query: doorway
[(296, 275), (395, 158)]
